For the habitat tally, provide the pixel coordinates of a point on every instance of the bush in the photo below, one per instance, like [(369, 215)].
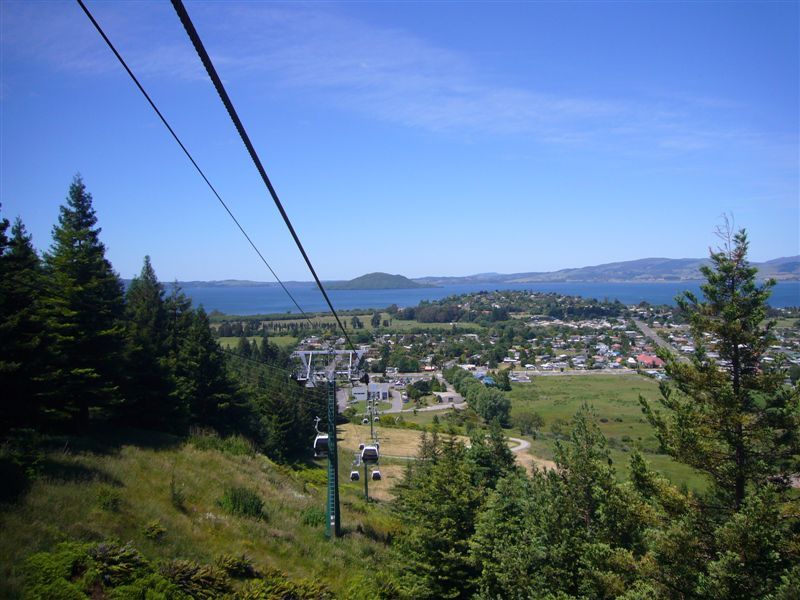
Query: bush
[(68, 561), (117, 564), (237, 566), (243, 502), (108, 498), (151, 586), (313, 516), (177, 495), (154, 530), (235, 445), (196, 580), (527, 422), (275, 584)]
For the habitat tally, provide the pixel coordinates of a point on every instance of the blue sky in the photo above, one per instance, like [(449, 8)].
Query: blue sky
[(422, 138)]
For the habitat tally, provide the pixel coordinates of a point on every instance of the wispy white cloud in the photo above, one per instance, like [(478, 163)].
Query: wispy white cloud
[(384, 73)]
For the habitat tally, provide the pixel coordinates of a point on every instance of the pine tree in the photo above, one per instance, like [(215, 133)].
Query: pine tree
[(734, 420), (20, 326), (438, 503), (148, 387), (201, 378), (84, 309)]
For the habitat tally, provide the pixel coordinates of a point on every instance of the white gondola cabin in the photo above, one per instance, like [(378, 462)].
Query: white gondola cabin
[(370, 453), (321, 445), (376, 476)]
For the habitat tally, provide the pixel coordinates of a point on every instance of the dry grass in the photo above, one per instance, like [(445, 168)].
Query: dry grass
[(404, 443)]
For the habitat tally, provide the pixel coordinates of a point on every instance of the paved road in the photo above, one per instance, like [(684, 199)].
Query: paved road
[(521, 444), (645, 329), (567, 372)]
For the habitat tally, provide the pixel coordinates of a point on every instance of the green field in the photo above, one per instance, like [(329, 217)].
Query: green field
[(282, 341), (396, 324), (616, 402)]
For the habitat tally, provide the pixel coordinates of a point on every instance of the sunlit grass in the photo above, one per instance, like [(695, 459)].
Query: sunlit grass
[(65, 503)]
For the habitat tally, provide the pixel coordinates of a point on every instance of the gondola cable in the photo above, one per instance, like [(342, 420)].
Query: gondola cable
[(188, 155), (223, 94)]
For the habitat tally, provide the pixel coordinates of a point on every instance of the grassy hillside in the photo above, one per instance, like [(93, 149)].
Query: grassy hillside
[(125, 489)]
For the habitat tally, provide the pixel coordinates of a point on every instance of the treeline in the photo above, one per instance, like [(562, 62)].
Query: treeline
[(485, 529), (489, 402), (78, 349)]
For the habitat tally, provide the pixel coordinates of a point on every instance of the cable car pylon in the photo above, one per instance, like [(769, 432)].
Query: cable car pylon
[(326, 374)]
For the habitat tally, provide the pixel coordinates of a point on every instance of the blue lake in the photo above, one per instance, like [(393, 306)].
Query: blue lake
[(270, 299)]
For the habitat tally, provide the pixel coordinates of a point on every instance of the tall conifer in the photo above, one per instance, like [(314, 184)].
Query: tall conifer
[(148, 398), (84, 309), (20, 326)]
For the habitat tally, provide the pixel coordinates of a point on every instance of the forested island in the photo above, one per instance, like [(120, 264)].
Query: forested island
[(377, 281), (537, 445)]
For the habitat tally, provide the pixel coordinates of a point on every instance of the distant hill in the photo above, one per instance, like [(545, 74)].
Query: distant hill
[(643, 270), (377, 281)]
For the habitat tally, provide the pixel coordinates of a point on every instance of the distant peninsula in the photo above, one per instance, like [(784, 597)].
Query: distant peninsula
[(377, 281)]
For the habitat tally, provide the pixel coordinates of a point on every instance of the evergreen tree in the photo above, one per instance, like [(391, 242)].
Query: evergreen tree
[(201, 379), (738, 423), (243, 347), (148, 387), (83, 309), (438, 503), (20, 326), (490, 455)]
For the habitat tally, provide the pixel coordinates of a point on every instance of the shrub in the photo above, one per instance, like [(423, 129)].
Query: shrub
[(196, 580), (177, 495), (275, 584), (67, 561), (154, 530), (237, 566), (117, 564), (108, 498), (313, 516), (207, 439), (151, 586), (528, 422), (243, 502)]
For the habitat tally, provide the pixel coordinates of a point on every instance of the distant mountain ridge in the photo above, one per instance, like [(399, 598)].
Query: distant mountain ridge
[(641, 270)]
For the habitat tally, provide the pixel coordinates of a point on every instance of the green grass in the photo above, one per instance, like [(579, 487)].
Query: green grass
[(282, 341), (361, 406), (366, 318), (616, 401), (70, 501)]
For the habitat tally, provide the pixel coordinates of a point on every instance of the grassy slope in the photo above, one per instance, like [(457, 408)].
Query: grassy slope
[(63, 504)]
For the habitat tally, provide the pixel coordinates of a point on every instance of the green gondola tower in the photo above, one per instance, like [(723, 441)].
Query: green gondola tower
[(333, 526)]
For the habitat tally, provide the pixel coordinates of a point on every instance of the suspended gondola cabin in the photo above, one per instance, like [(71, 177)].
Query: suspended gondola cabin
[(321, 445), (370, 453)]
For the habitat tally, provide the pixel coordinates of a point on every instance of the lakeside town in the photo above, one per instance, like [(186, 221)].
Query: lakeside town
[(509, 337)]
